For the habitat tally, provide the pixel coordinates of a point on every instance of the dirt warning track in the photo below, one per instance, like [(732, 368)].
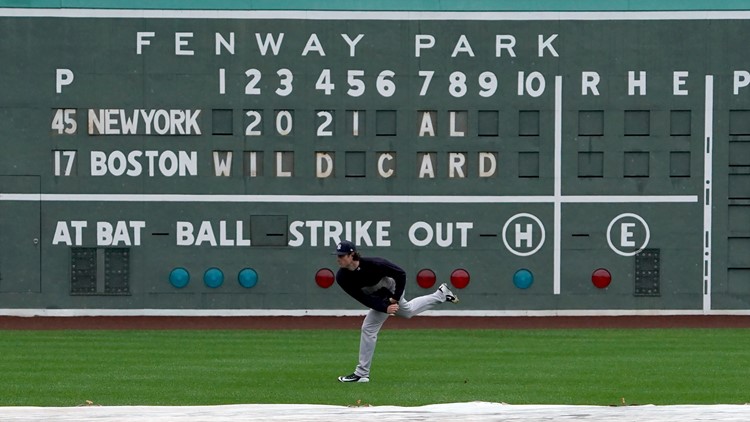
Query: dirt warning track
[(354, 322)]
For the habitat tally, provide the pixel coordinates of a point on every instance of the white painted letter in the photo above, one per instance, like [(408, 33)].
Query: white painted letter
[(313, 44), (487, 164), (352, 43), (426, 127), (64, 77), (422, 42), (501, 44), (228, 45), (640, 83), (324, 165), (463, 46), (140, 41), (524, 235), (679, 81), (547, 44), (456, 164), (589, 81), (180, 41), (381, 168), (626, 235), (741, 80)]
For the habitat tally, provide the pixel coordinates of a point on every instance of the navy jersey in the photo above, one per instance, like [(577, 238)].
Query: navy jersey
[(373, 283)]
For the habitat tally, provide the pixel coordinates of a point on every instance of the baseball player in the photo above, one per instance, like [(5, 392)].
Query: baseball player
[(378, 284)]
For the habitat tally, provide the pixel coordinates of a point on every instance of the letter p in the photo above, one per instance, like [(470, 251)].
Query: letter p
[(422, 41), (63, 78), (741, 80)]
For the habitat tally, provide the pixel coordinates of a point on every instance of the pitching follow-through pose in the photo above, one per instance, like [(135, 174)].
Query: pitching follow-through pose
[(378, 284)]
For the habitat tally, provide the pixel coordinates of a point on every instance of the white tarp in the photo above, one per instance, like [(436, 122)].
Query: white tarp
[(474, 411)]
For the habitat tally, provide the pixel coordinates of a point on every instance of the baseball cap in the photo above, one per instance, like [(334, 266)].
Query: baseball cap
[(344, 247)]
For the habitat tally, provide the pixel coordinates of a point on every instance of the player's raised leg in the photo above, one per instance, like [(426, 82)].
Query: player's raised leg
[(416, 306)]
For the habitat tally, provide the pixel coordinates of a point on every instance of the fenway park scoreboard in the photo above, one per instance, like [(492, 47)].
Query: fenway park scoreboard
[(210, 160)]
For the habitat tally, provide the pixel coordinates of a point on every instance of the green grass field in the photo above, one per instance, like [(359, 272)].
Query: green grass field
[(411, 367)]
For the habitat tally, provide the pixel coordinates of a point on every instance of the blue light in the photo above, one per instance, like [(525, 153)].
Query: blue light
[(523, 279), (179, 278), (248, 278), (213, 278)]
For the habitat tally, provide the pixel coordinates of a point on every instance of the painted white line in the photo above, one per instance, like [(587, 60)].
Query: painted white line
[(670, 15), (708, 197), (393, 199), (557, 225), (628, 198), (28, 313)]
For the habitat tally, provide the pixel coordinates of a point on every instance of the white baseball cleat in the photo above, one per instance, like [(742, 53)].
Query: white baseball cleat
[(353, 378), (448, 294)]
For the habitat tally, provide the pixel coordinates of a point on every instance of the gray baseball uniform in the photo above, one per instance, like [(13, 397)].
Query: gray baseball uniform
[(373, 283)]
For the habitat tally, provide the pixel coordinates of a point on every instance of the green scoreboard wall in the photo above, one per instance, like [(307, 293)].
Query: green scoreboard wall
[(541, 162)]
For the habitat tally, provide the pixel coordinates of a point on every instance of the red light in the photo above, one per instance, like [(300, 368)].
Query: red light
[(324, 278), (460, 278), (426, 278), (601, 278)]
